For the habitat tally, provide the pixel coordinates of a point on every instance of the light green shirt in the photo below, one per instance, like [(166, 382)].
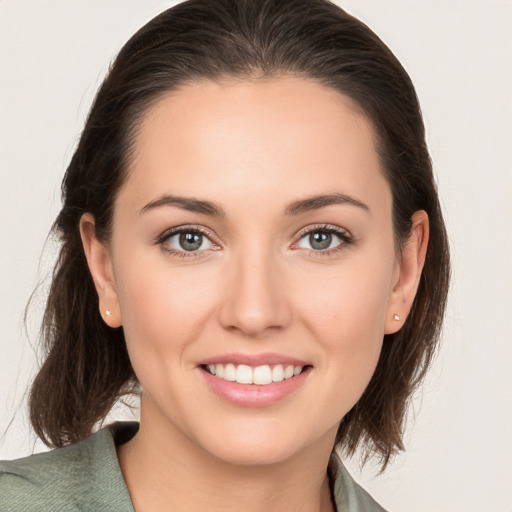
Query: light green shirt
[(86, 477)]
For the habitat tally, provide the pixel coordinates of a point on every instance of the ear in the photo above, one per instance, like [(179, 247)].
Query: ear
[(100, 265), (408, 275)]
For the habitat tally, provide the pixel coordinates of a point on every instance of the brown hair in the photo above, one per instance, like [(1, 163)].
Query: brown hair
[(87, 366)]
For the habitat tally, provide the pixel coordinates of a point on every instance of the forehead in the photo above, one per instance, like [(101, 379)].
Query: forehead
[(283, 137)]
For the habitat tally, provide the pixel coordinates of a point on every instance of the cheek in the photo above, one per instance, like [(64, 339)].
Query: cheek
[(348, 303), (162, 311), (347, 317)]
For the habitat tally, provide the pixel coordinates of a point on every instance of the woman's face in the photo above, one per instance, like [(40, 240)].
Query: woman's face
[(253, 239)]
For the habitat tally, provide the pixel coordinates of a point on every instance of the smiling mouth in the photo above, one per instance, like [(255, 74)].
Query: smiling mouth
[(260, 375)]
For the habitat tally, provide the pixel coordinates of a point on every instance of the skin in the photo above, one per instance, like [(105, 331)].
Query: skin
[(252, 148)]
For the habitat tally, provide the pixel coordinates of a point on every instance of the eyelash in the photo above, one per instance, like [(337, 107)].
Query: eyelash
[(162, 239), (345, 237)]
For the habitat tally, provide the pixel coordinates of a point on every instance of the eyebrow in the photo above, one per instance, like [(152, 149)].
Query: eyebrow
[(186, 203), (296, 208), (317, 202)]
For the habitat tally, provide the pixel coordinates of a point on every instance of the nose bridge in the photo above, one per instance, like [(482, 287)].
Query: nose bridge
[(255, 298)]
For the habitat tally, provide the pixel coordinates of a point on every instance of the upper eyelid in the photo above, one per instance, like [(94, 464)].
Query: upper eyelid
[(346, 238), (171, 232), (188, 228), (323, 227)]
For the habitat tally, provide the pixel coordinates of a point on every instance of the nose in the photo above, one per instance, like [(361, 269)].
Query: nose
[(255, 300)]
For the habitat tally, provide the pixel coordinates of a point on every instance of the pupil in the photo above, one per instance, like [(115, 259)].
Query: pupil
[(191, 241), (320, 240)]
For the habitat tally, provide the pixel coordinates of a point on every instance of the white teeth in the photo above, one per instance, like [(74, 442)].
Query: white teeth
[(260, 375), (219, 370), (288, 372), (230, 372), (243, 374), (278, 373)]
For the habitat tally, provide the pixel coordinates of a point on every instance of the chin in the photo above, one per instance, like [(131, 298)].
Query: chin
[(253, 454), (255, 445)]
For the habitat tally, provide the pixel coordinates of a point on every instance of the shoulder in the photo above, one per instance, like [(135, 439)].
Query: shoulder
[(348, 494), (83, 476), (47, 479)]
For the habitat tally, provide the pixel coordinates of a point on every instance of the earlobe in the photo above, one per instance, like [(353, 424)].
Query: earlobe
[(100, 266), (409, 273)]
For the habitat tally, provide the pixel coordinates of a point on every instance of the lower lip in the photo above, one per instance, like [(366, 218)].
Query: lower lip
[(254, 395)]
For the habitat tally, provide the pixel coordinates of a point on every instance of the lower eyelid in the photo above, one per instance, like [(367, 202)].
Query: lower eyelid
[(174, 244), (345, 239), (341, 242), (164, 239)]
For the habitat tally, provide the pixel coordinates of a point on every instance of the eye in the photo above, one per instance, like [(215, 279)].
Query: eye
[(186, 241), (323, 239)]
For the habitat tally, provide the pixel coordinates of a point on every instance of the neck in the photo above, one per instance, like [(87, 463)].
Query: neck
[(164, 470)]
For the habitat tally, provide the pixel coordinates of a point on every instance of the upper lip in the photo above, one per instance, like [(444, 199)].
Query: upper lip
[(270, 358)]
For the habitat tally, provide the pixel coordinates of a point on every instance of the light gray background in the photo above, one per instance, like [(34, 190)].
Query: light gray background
[(53, 55)]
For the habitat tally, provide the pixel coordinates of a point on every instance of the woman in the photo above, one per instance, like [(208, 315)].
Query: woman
[(251, 238)]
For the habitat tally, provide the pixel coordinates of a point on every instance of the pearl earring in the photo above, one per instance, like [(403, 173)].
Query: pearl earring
[(396, 317), (108, 312)]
